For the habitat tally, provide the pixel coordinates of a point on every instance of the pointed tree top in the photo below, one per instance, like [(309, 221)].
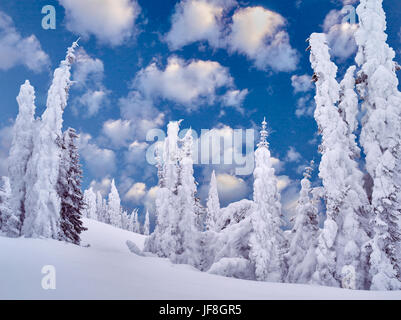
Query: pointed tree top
[(309, 170), (264, 134)]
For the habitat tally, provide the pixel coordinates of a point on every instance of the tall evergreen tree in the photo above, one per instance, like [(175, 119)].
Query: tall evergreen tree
[(5, 202), (342, 240), (381, 141), (90, 210), (114, 206), (69, 190), (213, 204), (20, 153), (146, 226), (267, 241), (301, 256), (42, 199)]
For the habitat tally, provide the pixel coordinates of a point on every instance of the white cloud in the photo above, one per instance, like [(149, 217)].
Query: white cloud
[(256, 32), (195, 20), (305, 106), (88, 80), (293, 155), (136, 193), (141, 113), (118, 131), (16, 50), (301, 83), (231, 188), (110, 21), (235, 98), (187, 83), (340, 35), (100, 162), (283, 182), (103, 186)]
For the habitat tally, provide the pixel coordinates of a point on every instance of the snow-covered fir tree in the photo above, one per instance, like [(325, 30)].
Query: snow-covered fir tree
[(20, 153), (146, 226), (187, 236), (213, 204), (43, 204), (342, 240), (301, 255), (135, 225), (161, 241), (381, 141), (125, 220), (114, 206), (101, 208), (90, 210), (69, 190), (5, 202), (267, 241), (176, 233)]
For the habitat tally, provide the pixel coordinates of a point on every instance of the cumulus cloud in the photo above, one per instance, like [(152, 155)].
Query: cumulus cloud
[(118, 131), (88, 81), (103, 186), (16, 50), (305, 106), (257, 33), (293, 155), (110, 21), (301, 83), (195, 20), (340, 35), (136, 193), (100, 162), (187, 83), (235, 98), (231, 188), (141, 114)]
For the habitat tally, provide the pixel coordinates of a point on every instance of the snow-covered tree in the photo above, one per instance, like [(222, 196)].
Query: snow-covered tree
[(42, 204), (381, 141), (187, 236), (342, 240), (69, 190), (146, 226), (90, 210), (20, 153), (5, 201), (125, 220), (176, 233), (101, 208), (114, 206), (267, 241), (213, 204), (135, 226), (161, 241), (301, 255)]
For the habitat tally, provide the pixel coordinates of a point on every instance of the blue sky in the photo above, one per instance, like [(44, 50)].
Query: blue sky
[(221, 64)]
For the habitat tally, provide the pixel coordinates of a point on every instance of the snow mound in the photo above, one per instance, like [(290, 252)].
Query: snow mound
[(108, 270)]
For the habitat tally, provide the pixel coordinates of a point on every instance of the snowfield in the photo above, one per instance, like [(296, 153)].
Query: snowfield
[(108, 270)]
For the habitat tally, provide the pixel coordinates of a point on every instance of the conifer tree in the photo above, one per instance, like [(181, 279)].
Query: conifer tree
[(146, 226), (267, 240), (213, 204), (381, 141), (114, 206), (301, 256), (69, 190), (20, 153)]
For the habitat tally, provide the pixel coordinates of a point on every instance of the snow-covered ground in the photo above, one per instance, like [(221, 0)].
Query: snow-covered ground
[(108, 270)]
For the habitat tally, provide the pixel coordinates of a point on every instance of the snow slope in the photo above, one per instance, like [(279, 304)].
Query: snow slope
[(108, 270)]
